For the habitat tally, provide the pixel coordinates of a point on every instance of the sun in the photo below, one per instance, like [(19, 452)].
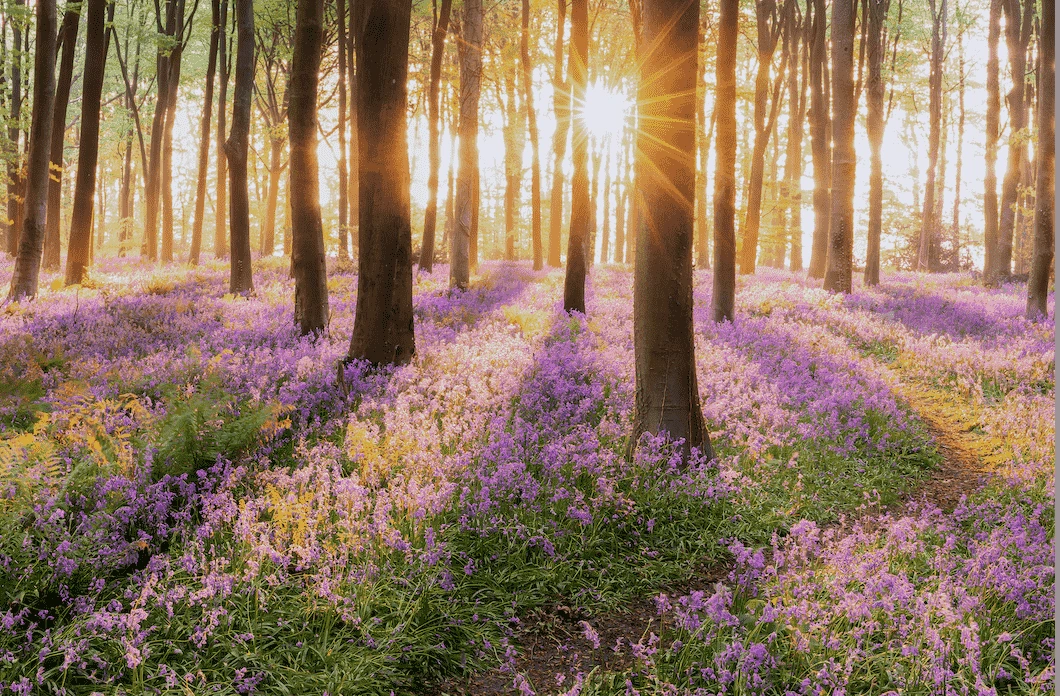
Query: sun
[(604, 111)]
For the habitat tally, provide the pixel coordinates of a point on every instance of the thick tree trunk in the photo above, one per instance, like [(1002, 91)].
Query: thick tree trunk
[(241, 278), (166, 191), (383, 331), (466, 190), (820, 136), (1017, 37), (580, 216), (877, 15), (14, 168), (77, 259), (929, 223), (844, 160), (724, 296), (220, 238), (434, 135), (1042, 262), (993, 126), (31, 245), (68, 40), (204, 134), (531, 121), (561, 106), (307, 231), (667, 394)]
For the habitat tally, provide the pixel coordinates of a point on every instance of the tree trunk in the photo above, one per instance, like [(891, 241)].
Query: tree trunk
[(78, 256), (272, 196), (960, 152), (152, 196), (241, 278), (30, 247), (621, 193), (877, 15), (561, 107), (531, 121), (354, 140), (68, 40), (667, 394), (383, 331), (993, 126), (1017, 37), (220, 238), (724, 295), (166, 190), (434, 135), (307, 231), (343, 167), (605, 233), (1042, 262), (513, 161), (466, 191), (580, 215), (702, 223), (820, 136), (594, 201), (844, 112), (14, 168), (204, 134), (929, 224), (793, 161)]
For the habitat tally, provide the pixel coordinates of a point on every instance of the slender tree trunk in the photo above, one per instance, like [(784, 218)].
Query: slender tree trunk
[(531, 121), (166, 191), (877, 15), (1044, 235), (594, 201), (152, 197), (580, 216), (241, 278), (14, 166), (513, 162), (724, 296), (621, 193), (466, 190), (793, 161), (354, 140), (307, 250), (272, 196), (929, 224), (844, 111), (993, 126), (77, 258), (820, 135), (702, 222), (561, 106), (434, 135), (220, 239), (605, 233), (667, 394), (68, 41), (31, 246), (204, 134), (383, 332), (960, 154), (1017, 37), (343, 167)]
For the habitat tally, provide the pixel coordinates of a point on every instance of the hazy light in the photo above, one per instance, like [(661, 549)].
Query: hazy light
[(604, 111)]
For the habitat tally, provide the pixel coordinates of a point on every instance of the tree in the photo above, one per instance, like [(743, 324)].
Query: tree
[(307, 249), (531, 120), (926, 257), (724, 296), (344, 176), (667, 394), (791, 187), (68, 44), (574, 281), (77, 258), (466, 181), (877, 15), (220, 238), (993, 125), (820, 135), (844, 111), (561, 107), (204, 133), (30, 247), (241, 278), (14, 169), (1042, 263), (383, 332), (271, 96), (434, 133)]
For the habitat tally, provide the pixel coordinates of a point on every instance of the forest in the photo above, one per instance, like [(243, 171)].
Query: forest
[(568, 347)]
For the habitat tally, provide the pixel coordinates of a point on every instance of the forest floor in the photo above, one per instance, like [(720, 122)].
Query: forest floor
[(193, 499)]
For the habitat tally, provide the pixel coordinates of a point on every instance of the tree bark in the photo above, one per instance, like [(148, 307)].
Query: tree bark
[(14, 167), (30, 248), (343, 167), (596, 158), (605, 232), (383, 331), (877, 15), (307, 231), (434, 135), (791, 189), (724, 295), (513, 159), (173, 81), (531, 122), (561, 107), (241, 278), (820, 136), (68, 41), (667, 394), (220, 238), (929, 223), (152, 196), (844, 112), (77, 259), (204, 134), (993, 126), (960, 153), (466, 192), (1042, 262), (578, 240)]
